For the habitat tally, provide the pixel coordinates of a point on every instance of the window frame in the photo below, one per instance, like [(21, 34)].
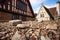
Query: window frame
[(23, 18), (41, 15), (15, 16), (22, 7)]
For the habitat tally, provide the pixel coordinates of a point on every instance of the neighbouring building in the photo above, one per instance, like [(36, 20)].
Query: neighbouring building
[(16, 9), (48, 14), (50, 21)]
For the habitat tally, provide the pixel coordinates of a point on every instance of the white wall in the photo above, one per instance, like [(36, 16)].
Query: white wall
[(58, 8), (46, 16)]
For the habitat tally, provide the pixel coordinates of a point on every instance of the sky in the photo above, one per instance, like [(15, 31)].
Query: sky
[(36, 4)]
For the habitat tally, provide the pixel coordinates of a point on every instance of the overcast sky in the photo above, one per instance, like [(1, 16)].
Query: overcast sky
[(36, 4)]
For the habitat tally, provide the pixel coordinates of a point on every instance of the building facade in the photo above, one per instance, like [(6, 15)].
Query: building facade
[(47, 14), (16, 9), (49, 28), (44, 14)]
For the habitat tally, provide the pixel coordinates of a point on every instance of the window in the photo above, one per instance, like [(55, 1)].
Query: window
[(15, 16), (23, 18), (42, 15), (6, 2), (8, 6), (21, 5)]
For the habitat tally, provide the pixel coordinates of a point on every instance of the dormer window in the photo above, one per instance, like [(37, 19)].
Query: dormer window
[(42, 15)]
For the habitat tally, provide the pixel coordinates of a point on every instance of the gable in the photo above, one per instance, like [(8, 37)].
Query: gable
[(22, 7), (29, 9), (44, 14), (42, 11), (51, 16)]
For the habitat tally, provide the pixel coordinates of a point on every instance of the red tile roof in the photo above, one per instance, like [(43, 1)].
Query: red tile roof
[(49, 13), (53, 11)]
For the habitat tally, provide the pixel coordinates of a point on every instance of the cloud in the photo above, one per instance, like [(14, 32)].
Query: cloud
[(51, 6), (34, 2), (36, 10), (37, 3)]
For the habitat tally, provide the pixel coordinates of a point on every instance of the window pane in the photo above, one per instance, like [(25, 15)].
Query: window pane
[(15, 16), (23, 18), (21, 5), (42, 15)]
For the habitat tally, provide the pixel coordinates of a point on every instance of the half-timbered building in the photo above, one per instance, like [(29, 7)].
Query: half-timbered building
[(16, 9)]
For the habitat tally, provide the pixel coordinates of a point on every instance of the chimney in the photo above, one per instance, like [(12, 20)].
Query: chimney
[(58, 8)]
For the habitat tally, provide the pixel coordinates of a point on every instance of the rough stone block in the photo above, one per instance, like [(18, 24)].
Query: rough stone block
[(15, 22)]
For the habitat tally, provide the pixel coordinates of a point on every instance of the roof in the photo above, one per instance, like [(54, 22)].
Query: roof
[(35, 14), (53, 11), (58, 1), (31, 8), (49, 13)]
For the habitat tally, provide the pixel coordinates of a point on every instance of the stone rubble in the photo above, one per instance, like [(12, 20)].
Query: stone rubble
[(9, 29)]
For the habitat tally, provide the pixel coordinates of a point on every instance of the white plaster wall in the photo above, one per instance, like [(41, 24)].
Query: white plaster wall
[(42, 11), (58, 8)]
